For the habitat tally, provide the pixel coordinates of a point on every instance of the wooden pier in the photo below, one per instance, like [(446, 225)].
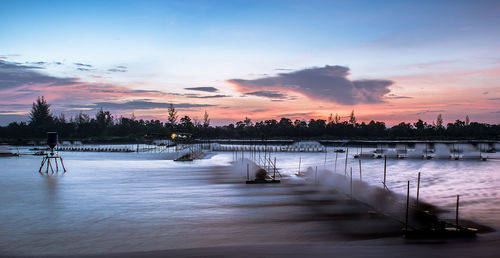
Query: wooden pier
[(261, 148)]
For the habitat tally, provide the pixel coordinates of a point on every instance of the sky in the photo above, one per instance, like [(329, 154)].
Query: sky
[(392, 61)]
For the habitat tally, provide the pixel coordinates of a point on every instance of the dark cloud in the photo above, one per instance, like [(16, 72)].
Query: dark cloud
[(205, 89), (394, 96), (82, 64), (267, 94), (37, 63), (260, 110), (116, 70), (83, 69), (112, 89), (296, 114), (325, 83), (14, 75), (14, 65), (423, 112), (5, 112), (149, 91), (15, 106), (209, 96), (8, 56), (494, 99), (138, 104)]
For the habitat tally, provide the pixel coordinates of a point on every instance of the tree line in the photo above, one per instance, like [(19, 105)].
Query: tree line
[(105, 127)]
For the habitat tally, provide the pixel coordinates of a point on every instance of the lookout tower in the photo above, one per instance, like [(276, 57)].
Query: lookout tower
[(52, 139)]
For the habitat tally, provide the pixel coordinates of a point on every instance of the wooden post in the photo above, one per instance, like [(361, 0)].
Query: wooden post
[(265, 156), (346, 156), (274, 176), (456, 212), (360, 175), (315, 175), (385, 169), (300, 159), (336, 156), (418, 187), (407, 205), (351, 182), (324, 163)]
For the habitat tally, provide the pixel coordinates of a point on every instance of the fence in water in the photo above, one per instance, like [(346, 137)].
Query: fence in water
[(266, 148)]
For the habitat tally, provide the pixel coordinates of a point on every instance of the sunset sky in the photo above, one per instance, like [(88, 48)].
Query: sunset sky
[(389, 61)]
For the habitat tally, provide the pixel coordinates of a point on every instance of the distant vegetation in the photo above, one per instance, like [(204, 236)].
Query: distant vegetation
[(106, 128)]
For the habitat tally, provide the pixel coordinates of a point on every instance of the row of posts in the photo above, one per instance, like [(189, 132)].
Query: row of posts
[(267, 162)]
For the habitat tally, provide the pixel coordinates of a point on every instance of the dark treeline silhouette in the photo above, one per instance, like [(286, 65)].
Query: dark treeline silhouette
[(104, 127)]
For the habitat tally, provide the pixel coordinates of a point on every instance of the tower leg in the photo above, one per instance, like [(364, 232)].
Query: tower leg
[(51, 167), (41, 165), (48, 164), (57, 165), (62, 164)]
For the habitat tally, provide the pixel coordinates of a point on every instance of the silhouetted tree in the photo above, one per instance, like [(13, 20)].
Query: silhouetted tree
[(186, 123), (402, 130), (206, 120), (83, 127), (352, 118), (40, 113), (285, 123), (247, 121), (439, 121), (104, 120), (172, 115), (336, 119)]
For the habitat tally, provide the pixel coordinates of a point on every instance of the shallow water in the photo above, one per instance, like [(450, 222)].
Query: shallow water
[(477, 182), (120, 202)]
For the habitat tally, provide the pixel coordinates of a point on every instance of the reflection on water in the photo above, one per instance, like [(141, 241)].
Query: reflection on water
[(51, 187), (117, 202)]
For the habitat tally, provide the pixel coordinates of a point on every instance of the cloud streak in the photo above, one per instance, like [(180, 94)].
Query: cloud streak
[(328, 83), (84, 65), (394, 96), (14, 75), (208, 97), (138, 104), (268, 94), (118, 69), (205, 89), (423, 112)]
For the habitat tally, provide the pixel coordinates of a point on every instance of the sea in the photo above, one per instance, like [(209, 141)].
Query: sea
[(112, 202)]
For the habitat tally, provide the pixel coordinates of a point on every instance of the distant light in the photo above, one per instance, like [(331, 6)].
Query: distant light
[(173, 136)]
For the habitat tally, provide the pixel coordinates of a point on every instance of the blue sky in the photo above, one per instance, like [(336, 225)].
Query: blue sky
[(426, 48)]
